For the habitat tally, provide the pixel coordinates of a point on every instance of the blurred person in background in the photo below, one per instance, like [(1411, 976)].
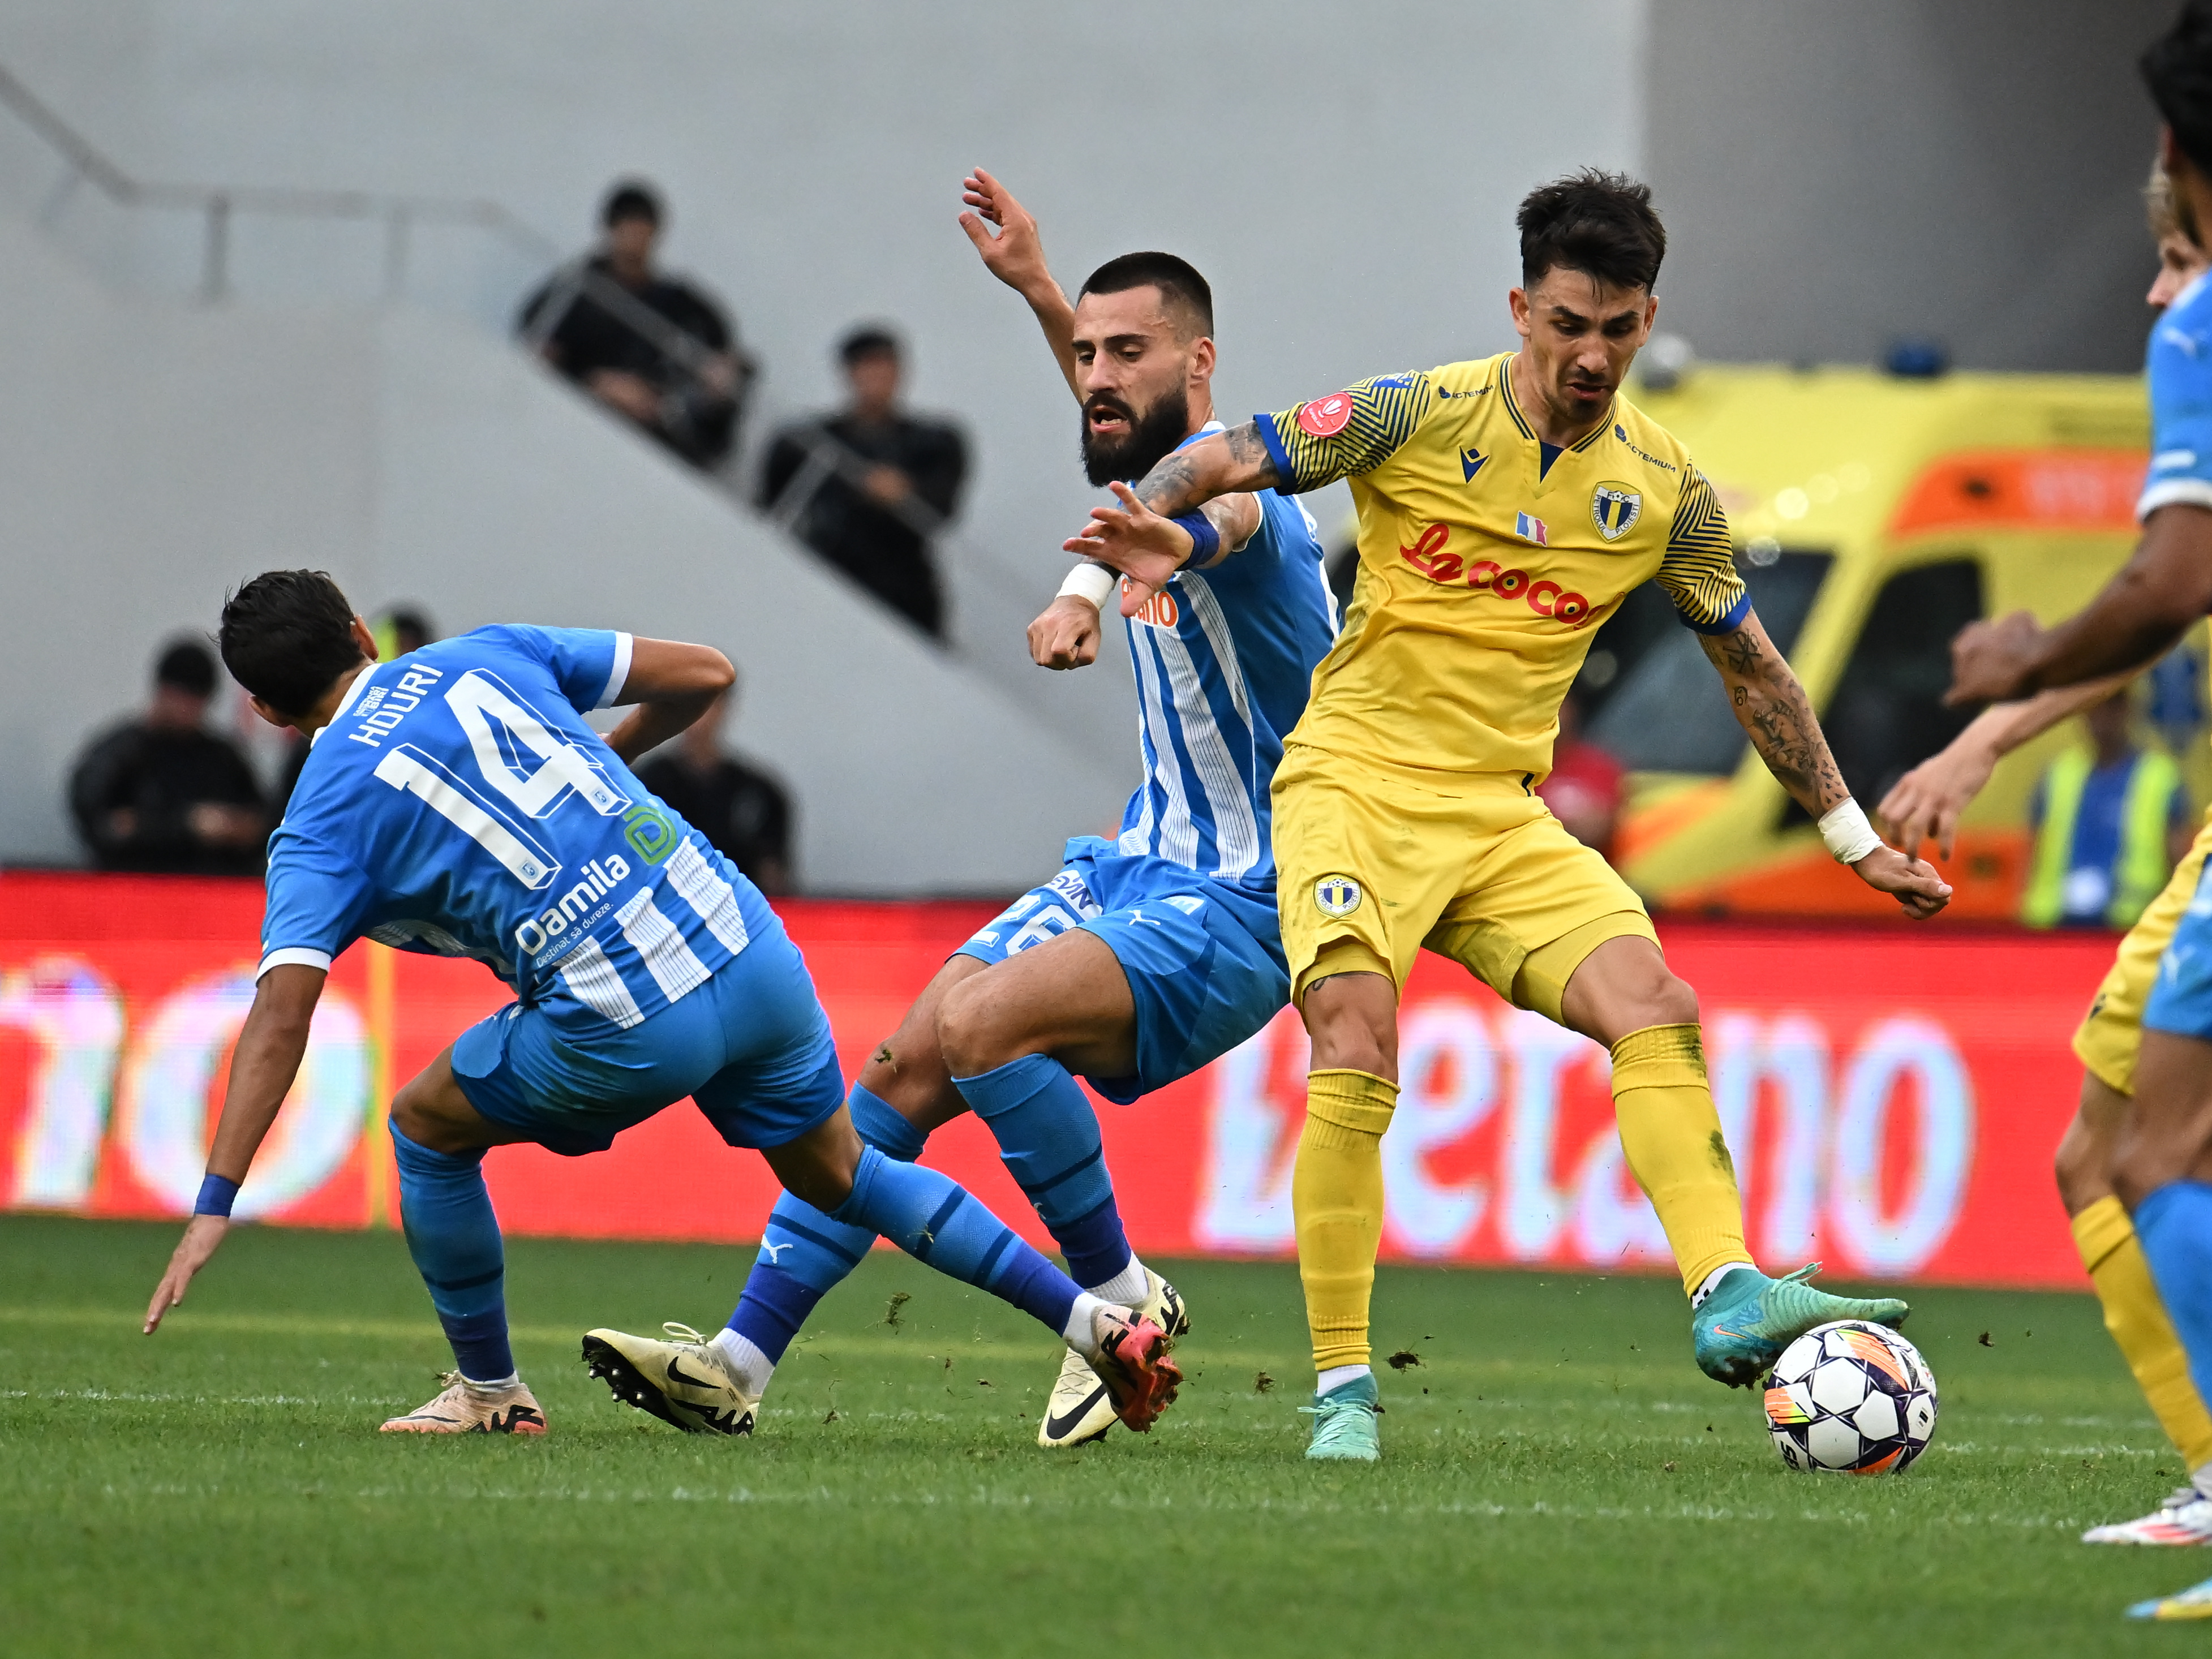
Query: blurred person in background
[(745, 813), (867, 488), (651, 346), (161, 794), (2111, 820), (1584, 788)]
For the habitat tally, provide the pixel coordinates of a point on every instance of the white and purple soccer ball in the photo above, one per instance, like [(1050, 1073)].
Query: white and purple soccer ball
[(1850, 1398)]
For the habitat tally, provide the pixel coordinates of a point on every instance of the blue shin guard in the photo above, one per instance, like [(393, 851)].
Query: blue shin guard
[(453, 1237), (933, 1219), (2174, 1225), (1049, 1136), (804, 1254)]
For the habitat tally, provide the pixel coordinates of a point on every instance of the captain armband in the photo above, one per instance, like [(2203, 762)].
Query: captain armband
[(1090, 581), (1849, 835)]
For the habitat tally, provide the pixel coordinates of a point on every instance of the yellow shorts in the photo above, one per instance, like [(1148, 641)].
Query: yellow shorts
[(2113, 1030), (1370, 870)]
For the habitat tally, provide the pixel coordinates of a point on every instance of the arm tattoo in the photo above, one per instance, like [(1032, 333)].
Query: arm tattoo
[(1777, 717), (1246, 447), (1170, 487)]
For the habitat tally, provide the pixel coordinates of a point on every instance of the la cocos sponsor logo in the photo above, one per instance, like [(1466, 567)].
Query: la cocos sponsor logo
[(1430, 555)]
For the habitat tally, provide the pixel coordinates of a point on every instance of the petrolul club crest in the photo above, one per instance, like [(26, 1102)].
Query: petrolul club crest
[(1614, 509), (1336, 895)]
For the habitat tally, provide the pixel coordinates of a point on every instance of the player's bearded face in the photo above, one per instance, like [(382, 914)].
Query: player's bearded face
[(1125, 443)]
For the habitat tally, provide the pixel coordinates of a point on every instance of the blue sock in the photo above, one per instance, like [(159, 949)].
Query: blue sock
[(453, 1237), (805, 1254), (1049, 1136), (2174, 1226), (936, 1221)]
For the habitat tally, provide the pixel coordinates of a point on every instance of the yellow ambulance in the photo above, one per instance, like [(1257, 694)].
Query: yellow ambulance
[(1875, 515)]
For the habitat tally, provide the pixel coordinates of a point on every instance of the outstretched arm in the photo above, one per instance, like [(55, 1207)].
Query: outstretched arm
[(1927, 802), (1777, 717), (262, 1068), (672, 684), (1016, 257), (2149, 605), (1141, 539)]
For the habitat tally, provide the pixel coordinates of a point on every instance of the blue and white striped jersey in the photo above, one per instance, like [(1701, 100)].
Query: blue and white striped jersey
[(458, 805), (1224, 659)]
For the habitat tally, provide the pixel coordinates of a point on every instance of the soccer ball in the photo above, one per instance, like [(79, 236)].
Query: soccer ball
[(1850, 1397)]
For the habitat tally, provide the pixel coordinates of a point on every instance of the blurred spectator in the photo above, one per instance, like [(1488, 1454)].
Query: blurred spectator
[(744, 812), (868, 487), (649, 345), (159, 792), (401, 630), (2111, 821), (1584, 788)]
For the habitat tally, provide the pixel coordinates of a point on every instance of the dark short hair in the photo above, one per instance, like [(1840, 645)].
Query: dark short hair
[(1598, 223), (2178, 70), (1177, 280), (633, 198), (868, 340), (286, 636), (187, 665)]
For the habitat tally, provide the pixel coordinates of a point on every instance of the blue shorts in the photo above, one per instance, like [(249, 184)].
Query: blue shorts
[(1204, 959), (751, 1047), (2180, 1000)]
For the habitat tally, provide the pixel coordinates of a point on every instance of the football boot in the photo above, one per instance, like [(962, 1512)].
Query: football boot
[(685, 1382), (1749, 1319), (467, 1408), (1131, 1359), (2194, 1602), (1344, 1428), (1081, 1409), (2184, 1518)]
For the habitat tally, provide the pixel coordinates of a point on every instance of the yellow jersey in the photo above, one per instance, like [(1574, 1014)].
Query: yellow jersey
[(1483, 575)]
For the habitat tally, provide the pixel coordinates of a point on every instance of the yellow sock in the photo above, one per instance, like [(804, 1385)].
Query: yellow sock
[(1672, 1137), (2136, 1319), (1336, 1196)]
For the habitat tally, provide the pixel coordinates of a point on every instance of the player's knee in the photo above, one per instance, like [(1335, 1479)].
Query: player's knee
[(1659, 998), (2083, 1165), (1353, 1038), (972, 1033)]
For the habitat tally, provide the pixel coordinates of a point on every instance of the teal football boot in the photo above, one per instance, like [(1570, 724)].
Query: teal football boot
[(1344, 1422), (1749, 1319), (2194, 1602)]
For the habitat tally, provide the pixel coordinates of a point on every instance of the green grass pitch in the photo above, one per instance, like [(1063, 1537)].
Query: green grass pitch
[(1558, 1477)]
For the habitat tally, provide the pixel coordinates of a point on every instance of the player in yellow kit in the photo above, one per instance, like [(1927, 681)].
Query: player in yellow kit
[(1506, 507)]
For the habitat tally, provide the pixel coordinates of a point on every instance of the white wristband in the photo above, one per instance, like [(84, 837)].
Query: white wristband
[(1090, 581), (1849, 835)]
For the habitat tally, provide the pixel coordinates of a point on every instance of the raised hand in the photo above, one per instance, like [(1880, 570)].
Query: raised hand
[(1067, 634), (202, 1234), (1136, 541), (1911, 882), (1016, 255)]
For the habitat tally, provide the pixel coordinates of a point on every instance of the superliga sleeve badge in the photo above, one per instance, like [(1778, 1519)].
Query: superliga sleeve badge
[(1336, 895)]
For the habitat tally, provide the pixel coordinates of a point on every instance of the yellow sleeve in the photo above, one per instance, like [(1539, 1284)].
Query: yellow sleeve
[(1355, 430), (1698, 571)]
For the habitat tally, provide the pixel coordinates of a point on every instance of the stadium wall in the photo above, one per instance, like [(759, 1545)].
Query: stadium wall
[(1835, 177), (152, 453), (1899, 1125), (1345, 176)]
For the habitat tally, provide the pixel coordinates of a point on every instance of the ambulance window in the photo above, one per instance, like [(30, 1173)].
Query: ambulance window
[(1887, 715), (1649, 696)]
